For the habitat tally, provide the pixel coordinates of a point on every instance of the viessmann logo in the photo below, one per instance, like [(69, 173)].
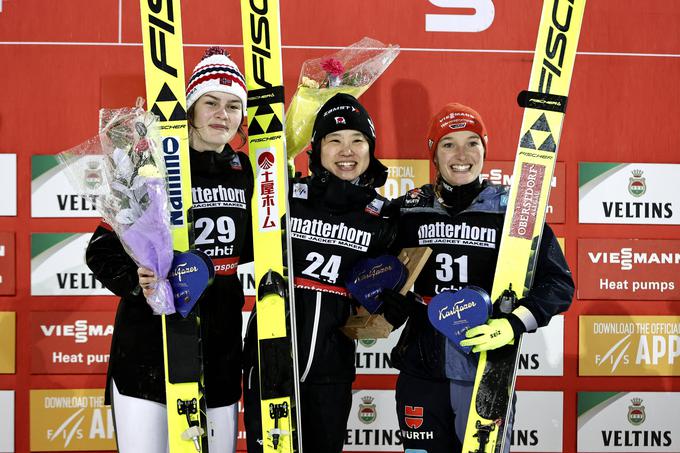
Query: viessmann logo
[(80, 330), (626, 257)]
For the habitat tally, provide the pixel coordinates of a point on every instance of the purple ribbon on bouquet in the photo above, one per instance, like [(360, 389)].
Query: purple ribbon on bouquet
[(150, 242)]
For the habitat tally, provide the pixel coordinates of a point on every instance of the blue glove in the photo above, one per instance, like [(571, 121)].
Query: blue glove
[(497, 332)]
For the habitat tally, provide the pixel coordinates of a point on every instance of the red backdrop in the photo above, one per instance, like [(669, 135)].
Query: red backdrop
[(62, 61)]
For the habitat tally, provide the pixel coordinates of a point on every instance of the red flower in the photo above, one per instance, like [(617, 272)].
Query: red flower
[(142, 145), (333, 67)]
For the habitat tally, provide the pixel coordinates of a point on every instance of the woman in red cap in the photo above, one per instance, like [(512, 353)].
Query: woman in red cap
[(461, 218), (216, 105)]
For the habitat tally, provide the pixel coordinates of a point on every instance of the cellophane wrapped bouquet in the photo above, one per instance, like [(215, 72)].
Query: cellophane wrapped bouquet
[(121, 170), (351, 70)]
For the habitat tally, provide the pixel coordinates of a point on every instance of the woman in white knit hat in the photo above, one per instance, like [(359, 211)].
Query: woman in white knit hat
[(222, 187)]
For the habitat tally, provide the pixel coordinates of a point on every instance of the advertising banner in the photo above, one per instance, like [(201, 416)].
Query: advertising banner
[(6, 421), (628, 421), (542, 352), (404, 175), (372, 423), (629, 269), (70, 342), (629, 345), (51, 193), (70, 420), (58, 266), (538, 422), (7, 342), (8, 184), (620, 193)]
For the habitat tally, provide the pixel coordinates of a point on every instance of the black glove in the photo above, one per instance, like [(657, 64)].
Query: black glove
[(398, 308)]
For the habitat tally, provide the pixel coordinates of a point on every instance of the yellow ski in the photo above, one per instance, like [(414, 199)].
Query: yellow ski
[(544, 108), (275, 331), (165, 88)]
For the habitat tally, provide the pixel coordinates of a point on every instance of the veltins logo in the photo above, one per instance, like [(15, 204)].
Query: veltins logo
[(636, 184), (636, 412), (58, 266), (366, 431), (367, 410), (368, 342), (629, 345), (53, 196), (633, 200), (617, 421), (68, 420)]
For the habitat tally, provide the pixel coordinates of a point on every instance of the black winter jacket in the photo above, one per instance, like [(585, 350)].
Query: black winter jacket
[(465, 244), (333, 224), (222, 185)]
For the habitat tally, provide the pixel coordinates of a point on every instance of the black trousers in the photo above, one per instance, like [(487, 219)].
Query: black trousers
[(433, 414), (324, 409), (426, 419)]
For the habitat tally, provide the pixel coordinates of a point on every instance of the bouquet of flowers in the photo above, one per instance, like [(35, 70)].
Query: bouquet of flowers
[(121, 170), (351, 70)]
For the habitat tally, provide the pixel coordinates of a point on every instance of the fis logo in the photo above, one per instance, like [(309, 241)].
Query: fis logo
[(555, 45), (651, 350), (616, 354), (262, 66), (340, 120)]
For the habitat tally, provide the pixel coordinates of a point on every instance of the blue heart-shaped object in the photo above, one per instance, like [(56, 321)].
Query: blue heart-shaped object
[(370, 275), (453, 313), (189, 276)]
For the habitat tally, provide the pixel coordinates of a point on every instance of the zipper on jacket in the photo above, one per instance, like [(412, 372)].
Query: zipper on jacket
[(315, 331)]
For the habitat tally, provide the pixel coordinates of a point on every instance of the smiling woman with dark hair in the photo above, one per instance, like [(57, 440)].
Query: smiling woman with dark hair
[(337, 218)]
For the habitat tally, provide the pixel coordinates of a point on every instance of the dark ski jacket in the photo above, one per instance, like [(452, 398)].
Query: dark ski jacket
[(465, 245), (222, 185), (333, 224)]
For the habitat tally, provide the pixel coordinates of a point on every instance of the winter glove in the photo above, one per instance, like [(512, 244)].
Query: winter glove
[(398, 308), (497, 332)]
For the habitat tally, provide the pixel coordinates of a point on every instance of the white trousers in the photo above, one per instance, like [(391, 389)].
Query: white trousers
[(142, 426)]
